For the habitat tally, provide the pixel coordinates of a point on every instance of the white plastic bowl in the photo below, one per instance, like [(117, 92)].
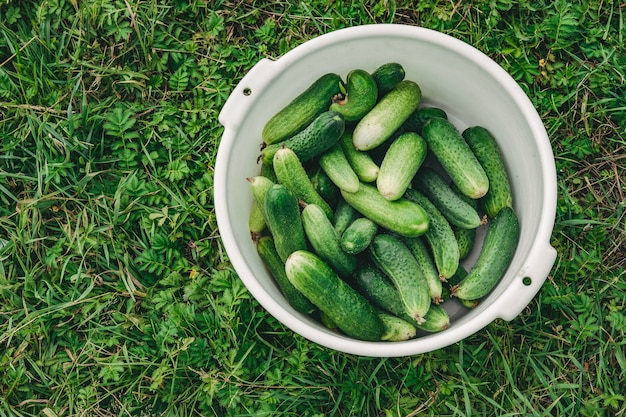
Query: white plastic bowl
[(453, 75)]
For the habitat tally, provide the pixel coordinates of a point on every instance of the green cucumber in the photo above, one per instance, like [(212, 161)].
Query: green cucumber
[(395, 259), (439, 236), (427, 266), (325, 241), (494, 258), (358, 236), (466, 239), (387, 115), (345, 307), (267, 170), (324, 186), (437, 319), (316, 138), (396, 329), (291, 173), (361, 162), (259, 185), (401, 216), (283, 218), (456, 157), (336, 166), (302, 110), (417, 119), (343, 216), (400, 164), (256, 220), (454, 208), (485, 147), (378, 289), (387, 76), (276, 267), (361, 95)]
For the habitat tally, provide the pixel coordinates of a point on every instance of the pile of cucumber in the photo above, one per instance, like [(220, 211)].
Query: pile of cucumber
[(354, 224)]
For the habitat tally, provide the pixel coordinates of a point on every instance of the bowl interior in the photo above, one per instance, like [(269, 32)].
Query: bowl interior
[(470, 87)]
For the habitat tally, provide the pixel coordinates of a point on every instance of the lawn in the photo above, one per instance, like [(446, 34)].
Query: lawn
[(116, 295)]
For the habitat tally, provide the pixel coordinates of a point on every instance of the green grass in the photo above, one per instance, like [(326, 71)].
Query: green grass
[(117, 297)]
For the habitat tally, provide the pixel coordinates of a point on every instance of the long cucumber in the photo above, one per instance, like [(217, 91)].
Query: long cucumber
[(494, 258), (392, 256), (344, 306)]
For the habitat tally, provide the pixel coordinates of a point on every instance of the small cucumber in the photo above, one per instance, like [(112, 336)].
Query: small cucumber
[(361, 162), (256, 220), (343, 216), (396, 329), (494, 258), (291, 173), (485, 147), (284, 220), (387, 115), (417, 119), (401, 216), (395, 259), (358, 236), (439, 236), (336, 166), (276, 267), (454, 208), (427, 266), (376, 287), (324, 186), (302, 110), (361, 95), (400, 164), (316, 138), (267, 170), (456, 157), (348, 309), (387, 76), (259, 185), (325, 241)]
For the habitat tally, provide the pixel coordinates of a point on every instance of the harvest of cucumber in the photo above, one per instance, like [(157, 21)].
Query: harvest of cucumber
[(358, 227)]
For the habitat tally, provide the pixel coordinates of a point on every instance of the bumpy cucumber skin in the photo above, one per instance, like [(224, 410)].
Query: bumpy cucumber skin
[(284, 221), (256, 220), (324, 186), (417, 119), (427, 266), (439, 236), (316, 138), (401, 216), (456, 157), (392, 257), (485, 147), (259, 185), (325, 241), (387, 116), (358, 236), (400, 164), (348, 309), (361, 162), (494, 258), (396, 329), (344, 215), (454, 208), (336, 166), (302, 110), (466, 239), (291, 173), (276, 267), (361, 96), (387, 76)]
